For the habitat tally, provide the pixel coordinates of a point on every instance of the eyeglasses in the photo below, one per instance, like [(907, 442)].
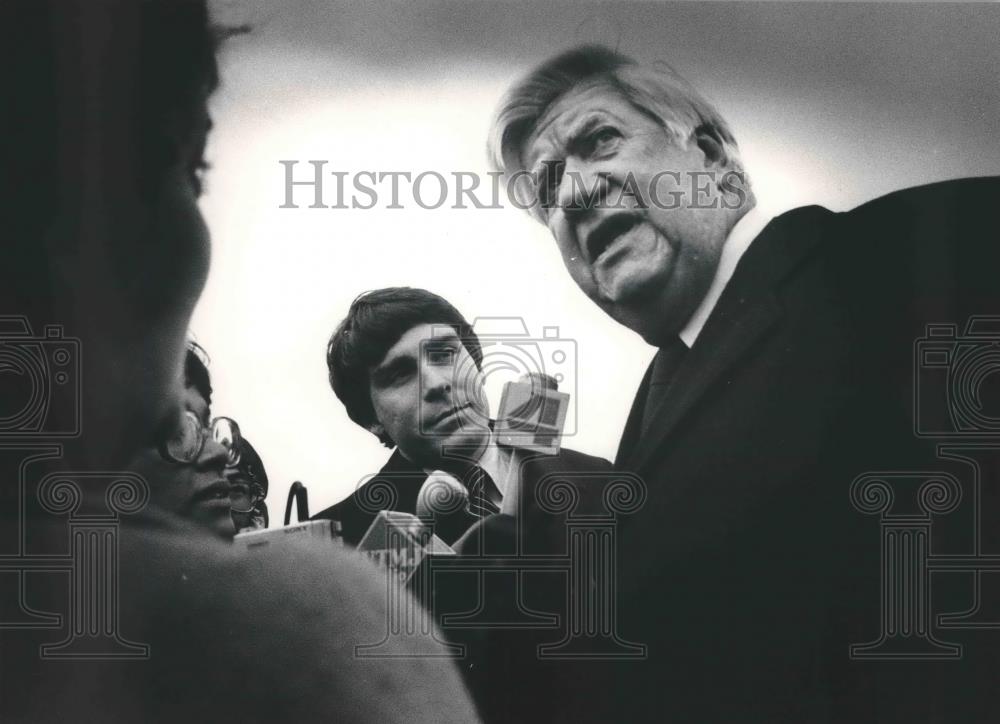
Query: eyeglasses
[(188, 441), (243, 495)]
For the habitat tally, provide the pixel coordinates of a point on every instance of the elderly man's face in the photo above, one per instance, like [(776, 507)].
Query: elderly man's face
[(641, 247)]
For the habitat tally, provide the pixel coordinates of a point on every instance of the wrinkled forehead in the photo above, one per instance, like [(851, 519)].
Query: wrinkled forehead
[(577, 107)]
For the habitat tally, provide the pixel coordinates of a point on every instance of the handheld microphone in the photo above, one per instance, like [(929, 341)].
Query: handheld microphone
[(532, 414), (441, 495), (444, 501), (401, 541)]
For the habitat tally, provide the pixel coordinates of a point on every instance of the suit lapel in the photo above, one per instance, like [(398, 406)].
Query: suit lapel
[(746, 311), (633, 426), (707, 361)]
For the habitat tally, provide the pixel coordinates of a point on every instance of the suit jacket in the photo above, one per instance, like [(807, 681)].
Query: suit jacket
[(398, 483), (395, 487), (508, 680), (500, 664), (748, 572)]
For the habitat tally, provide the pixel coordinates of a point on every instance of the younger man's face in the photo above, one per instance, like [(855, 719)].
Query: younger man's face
[(428, 393)]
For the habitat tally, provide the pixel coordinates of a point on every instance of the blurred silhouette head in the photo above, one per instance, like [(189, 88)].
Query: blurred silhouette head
[(101, 222)]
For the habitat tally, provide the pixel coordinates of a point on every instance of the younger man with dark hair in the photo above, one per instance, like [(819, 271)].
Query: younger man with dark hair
[(407, 366)]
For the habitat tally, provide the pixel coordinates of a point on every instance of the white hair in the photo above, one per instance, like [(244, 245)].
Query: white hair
[(656, 89)]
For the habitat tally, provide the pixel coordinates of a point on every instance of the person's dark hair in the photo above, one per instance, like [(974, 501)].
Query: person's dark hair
[(252, 466), (374, 323), (176, 85), (196, 371)]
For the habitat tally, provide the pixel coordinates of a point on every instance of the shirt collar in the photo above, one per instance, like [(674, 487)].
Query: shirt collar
[(740, 237), (494, 460)]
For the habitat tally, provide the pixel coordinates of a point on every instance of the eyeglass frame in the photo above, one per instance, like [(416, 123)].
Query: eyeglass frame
[(203, 431), (255, 493)]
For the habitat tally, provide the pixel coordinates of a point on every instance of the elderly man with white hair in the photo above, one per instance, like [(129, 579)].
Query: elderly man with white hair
[(785, 373)]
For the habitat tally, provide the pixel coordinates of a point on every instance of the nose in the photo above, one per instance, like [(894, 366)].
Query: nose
[(582, 187), (213, 456), (436, 381)]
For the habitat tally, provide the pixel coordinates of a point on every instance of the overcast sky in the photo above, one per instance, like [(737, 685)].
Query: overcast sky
[(831, 103)]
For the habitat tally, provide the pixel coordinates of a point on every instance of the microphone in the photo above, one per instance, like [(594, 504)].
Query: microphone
[(401, 541), (444, 501), (441, 494), (532, 414)]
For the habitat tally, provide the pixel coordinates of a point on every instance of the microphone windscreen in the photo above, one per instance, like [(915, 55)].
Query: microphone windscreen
[(441, 496), (443, 502)]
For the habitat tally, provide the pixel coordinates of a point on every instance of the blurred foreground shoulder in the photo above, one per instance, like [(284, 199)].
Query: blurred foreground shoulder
[(272, 634)]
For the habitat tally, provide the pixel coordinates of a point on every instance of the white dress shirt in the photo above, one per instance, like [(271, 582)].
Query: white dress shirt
[(738, 241), (496, 460)]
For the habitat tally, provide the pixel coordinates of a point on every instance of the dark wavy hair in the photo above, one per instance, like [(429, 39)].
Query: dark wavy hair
[(196, 371), (374, 323)]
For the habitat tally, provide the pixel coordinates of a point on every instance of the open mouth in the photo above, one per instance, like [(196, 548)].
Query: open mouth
[(605, 233)]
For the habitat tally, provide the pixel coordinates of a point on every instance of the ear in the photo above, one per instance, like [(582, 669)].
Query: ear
[(711, 144), (378, 430)]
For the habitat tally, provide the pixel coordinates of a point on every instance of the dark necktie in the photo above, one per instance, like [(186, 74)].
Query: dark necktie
[(668, 360), (483, 492)]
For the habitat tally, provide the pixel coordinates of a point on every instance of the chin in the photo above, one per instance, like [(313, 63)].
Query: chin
[(466, 437), (458, 446), (634, 284), (656, 306), (654, 322), (220, 524), (225, 528)]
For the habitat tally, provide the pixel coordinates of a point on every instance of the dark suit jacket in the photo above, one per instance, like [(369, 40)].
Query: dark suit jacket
[(508, 681), (748, 573), (395, 487), (397, 484), (500, 665)]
